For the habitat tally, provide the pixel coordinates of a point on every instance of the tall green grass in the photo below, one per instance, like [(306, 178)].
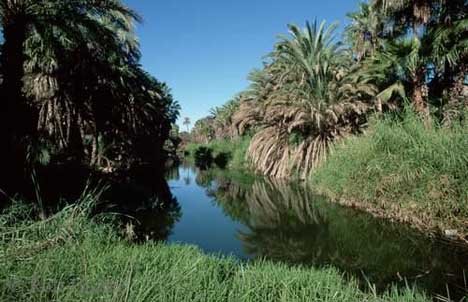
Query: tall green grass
[(402, 164), (69, 257), (236, 150)]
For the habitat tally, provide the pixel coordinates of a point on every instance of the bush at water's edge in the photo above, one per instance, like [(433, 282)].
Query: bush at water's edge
[(230, 152), (72, 258), (404, 170)]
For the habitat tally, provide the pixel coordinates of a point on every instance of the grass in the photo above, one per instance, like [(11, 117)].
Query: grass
[(404, 170), (70, 257), (235, 149)]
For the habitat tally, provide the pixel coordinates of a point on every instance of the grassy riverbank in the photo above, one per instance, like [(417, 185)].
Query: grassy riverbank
[(405, 171), (71, 258)]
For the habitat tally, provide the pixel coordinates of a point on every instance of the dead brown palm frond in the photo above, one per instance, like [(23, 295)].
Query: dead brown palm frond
[(267, 151), (272, 150), (247, 116)]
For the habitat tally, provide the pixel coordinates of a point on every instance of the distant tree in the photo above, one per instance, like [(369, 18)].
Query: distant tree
[(187, 123)]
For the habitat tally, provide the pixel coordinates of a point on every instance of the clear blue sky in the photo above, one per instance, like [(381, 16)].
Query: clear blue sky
[(204, 49)]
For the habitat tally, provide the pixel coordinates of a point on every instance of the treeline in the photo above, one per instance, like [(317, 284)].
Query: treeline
[(72, 89), (315, 89)]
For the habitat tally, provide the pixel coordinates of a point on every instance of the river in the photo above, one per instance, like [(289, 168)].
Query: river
[(234, 214)]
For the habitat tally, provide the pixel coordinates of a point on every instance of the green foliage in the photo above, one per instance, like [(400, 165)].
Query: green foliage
[(403, 162), (234, 150), (203, 157), (71, 258)]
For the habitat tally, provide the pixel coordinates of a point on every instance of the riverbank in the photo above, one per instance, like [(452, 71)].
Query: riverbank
[(404, 171), (69, 257), (401, 169)]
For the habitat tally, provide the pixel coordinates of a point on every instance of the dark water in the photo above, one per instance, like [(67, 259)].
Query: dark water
[(257, 218)]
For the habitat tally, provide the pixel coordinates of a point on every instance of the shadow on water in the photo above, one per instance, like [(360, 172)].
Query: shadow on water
[(143, 204), (289, 223), (139, 202)]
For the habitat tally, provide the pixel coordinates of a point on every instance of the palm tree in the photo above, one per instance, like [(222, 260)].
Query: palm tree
[(71, 82), (409, 65), (419, 12), (38, 34), (308, 102), (363, 34), (41, 41), (399, 68), (203, 131), (223, 118), (309, 105), (187, 123), (438, 42)]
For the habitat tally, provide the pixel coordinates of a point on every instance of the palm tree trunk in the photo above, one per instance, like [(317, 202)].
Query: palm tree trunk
[(418, 99), (379, 106), (14, 119), (75, 145), (95, 152), (459, 89)]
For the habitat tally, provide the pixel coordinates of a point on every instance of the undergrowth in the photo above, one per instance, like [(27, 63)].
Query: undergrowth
[(235, 150)]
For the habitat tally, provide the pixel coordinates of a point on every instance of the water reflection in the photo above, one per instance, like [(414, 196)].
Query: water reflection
[(286, 231), (143, 202), (289, 223)]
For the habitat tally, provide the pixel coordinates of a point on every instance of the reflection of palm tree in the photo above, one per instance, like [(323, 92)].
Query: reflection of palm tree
[(283, 222), (187, 178), (204, 178), (173, 173)]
